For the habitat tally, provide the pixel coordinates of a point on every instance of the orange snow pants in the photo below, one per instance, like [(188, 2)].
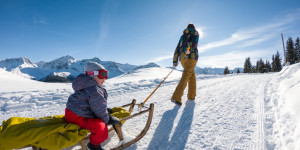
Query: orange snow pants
[(188, 77), (98, 128)]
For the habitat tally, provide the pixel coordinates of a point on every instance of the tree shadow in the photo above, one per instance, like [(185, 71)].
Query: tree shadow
[(182, 131), (160, 139)]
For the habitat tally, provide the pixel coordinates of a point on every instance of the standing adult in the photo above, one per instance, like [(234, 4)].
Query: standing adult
[(187, 53)]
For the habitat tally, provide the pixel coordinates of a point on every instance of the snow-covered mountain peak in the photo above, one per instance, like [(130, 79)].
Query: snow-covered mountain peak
[(60, 63), (149, 65), (67, 57), (21, 62), (95, 59)]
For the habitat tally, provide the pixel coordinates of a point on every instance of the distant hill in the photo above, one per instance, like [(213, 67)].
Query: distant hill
[(214, 71)]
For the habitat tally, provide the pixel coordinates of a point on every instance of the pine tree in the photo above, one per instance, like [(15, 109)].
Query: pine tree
[(291, 54), (247, 66), (268, 66), (261, 67), (297, 48), (276, 64), (256, 67), (238, 71), (273, 63), (253, 69), (226, 70)]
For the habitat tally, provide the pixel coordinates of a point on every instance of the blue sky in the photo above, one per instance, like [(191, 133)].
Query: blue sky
[(141, 31)]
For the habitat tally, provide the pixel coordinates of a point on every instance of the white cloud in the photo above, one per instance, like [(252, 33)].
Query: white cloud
[(255, 41), (158, 59), (104, 23), (40, 20), (252, 36), (168, 55), (248, 36)]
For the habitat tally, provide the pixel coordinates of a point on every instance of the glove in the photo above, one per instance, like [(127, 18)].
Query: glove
[(113, 120), (175, 64), (188, 49), (109, 110)]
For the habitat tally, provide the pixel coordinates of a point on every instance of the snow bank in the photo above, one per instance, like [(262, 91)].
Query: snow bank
[(282, 113), (289, 91)]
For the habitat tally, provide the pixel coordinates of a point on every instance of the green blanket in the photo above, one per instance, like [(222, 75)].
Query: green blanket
[(50, 132)]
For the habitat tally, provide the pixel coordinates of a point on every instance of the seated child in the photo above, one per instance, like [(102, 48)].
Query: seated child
[(87, 106)]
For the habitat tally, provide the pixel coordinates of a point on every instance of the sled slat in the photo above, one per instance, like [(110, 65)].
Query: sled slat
[(141, 135), (83, 144), (118, 130), (134, 115)]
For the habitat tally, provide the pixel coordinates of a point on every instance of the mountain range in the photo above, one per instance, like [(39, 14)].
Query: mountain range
[(66, 68)]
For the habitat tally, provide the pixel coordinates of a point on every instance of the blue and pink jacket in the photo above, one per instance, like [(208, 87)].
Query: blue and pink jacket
[(190, 38), (89, 99)]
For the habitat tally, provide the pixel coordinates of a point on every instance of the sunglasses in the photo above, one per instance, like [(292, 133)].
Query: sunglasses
[(101, 74)]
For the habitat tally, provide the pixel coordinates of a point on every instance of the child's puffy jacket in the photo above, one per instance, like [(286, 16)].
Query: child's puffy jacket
[(89, 99)]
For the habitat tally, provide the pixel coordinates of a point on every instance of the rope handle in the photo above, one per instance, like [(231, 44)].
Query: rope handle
[(142, 104)]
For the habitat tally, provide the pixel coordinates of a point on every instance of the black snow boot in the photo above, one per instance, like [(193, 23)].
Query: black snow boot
[(174, 101), (94, 147)]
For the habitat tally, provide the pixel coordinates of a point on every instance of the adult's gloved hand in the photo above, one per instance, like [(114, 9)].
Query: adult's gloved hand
[(113, 120), (109, 110), (175, 64)]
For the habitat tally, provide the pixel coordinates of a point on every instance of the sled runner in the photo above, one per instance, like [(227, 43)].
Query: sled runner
[(118, 128)]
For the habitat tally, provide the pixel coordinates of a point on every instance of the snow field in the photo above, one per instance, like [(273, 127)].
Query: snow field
[(245, 111)]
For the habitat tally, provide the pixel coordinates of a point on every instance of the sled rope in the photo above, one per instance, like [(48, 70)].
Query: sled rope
[(142, 104)]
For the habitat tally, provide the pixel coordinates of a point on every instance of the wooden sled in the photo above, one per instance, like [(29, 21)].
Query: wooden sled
[(118, 128)]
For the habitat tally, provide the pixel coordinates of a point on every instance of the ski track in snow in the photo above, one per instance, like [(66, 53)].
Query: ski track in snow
[(228, 112), (228, 119), (224, 120)]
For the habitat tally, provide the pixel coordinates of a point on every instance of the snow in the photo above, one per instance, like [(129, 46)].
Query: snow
[(285, 107), (61, 74), (237, 111)]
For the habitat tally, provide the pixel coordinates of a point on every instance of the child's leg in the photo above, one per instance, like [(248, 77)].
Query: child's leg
[(98, 128), (99, 131)]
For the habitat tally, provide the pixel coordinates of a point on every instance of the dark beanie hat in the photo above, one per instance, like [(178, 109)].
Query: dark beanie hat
[(191, 26)]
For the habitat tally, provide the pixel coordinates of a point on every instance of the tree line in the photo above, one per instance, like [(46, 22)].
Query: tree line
[(263, 66), (292, 54)]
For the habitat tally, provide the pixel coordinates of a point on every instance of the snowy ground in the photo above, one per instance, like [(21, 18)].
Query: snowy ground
[(245, 111)]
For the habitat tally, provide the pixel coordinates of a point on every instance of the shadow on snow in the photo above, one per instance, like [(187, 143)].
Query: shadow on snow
[(160, 139)]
